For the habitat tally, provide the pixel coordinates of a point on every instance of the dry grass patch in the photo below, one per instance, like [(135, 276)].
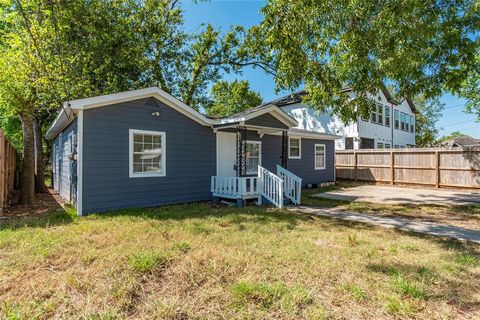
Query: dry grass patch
[(199, 262)]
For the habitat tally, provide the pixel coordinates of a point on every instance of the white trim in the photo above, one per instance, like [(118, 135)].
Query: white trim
[(275, 111), (259, 154), (297, 133), (80, 163), (72, 107), (163, 154), (324, 156), (217, 161), (299, 148)]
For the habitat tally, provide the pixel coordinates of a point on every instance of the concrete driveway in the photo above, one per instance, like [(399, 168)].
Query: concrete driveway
[(403, 195)]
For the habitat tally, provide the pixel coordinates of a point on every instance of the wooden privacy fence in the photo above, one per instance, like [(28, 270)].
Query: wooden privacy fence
[(8, 160), (435, 167)]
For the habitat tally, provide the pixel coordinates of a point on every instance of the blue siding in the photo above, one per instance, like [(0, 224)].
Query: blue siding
[(267, 120), (190, 162), (64, 177), (304, 167)]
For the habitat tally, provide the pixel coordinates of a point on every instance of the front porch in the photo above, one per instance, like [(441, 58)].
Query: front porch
[(250, 147), (274, 188), (239, 188)]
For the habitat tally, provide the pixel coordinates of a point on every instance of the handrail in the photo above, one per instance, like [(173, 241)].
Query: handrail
[(271, 187), (292, 185)]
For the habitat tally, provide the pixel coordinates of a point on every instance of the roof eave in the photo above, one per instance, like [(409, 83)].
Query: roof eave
[(63, 119)]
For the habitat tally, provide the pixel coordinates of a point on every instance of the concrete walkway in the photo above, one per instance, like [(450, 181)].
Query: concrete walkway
[(428, 228), (400, 195)]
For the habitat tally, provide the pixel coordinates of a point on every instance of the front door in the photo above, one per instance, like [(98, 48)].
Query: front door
[(226, 154)]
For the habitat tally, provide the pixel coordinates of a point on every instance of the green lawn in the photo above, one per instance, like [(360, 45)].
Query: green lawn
[(202, 262)]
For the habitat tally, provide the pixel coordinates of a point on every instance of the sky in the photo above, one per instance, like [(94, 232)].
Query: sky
[(225, 13)]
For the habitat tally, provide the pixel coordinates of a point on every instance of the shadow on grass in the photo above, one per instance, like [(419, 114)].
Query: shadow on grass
[(204, 210), (47, 212), (457, 289), (53, 217)]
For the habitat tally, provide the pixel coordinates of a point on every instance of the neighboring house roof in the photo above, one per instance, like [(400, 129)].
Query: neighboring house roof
[(70, 108), (298, 96), (462, 141)]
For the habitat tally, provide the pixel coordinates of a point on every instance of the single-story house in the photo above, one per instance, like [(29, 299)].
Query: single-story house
[(145, 148), (462, 141)]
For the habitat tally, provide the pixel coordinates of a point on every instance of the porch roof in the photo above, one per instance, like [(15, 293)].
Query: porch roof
[(268, 115)]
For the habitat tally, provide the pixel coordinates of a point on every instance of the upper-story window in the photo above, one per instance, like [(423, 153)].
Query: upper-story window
[(387, 116), (403, 121), (380, 114), (396, 119), (412, 124), (373, 117)]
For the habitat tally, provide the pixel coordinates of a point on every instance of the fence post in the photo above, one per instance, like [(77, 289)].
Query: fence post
[(355, 163), (392, 168), (437, 169)]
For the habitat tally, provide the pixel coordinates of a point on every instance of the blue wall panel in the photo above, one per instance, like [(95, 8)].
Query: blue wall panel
[(190, 157)]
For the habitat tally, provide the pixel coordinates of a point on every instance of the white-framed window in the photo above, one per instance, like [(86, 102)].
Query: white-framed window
[(387, 116), (396, 118), (147, 153), (319, 156), (412, 124), (380, 114), (294, 148), (373, 116), (253, 157)]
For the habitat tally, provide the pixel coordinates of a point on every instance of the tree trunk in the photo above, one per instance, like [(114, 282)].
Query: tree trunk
[(27, 187), (40, 186)]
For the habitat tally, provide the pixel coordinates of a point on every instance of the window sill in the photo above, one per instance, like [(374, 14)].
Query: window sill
[(146, 175)]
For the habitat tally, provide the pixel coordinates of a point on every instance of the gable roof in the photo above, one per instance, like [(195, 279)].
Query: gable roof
[(297, 97), (69, 109), (462, 141)]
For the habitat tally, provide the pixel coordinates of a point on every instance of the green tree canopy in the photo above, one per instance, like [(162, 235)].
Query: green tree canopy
[(418, 47), (426, 130), (229, 98), (55, 51), (450, 136)]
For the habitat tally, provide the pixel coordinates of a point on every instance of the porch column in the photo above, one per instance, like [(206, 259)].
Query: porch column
[(241, 149), (284, 149)]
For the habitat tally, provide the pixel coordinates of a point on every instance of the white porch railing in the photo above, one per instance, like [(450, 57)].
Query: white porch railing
[(235, 187), (271, 187), (292, 185), (274, 187)]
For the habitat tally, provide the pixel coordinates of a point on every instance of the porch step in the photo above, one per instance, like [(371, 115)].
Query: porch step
[(286, 201)]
